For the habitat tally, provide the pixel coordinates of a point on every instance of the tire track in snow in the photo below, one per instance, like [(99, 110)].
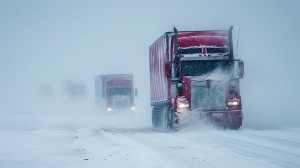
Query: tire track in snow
[(125, 152)]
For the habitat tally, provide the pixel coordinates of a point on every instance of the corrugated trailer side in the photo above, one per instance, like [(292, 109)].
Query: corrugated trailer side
[(158, 53)]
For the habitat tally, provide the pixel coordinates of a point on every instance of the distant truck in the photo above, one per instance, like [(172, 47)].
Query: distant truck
[(115, 92), (74, 88), (194, 72), (46, 90)]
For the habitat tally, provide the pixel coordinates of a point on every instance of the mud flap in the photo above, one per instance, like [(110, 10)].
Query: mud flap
[(162, 117)]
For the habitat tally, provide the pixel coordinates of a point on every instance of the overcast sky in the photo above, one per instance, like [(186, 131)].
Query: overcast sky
[(50, 41)]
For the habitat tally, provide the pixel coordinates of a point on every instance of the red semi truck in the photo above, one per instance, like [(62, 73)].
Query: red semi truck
[(195, 72), (115, 92)]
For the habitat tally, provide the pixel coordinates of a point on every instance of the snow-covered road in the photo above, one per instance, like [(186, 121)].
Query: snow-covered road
[(51, 141), (197, 148)]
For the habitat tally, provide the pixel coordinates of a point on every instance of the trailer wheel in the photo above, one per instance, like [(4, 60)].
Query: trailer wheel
[(156, 117)]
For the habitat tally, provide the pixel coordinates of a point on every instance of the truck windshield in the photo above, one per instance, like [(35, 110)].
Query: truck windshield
[(198, 68), (119, 92)]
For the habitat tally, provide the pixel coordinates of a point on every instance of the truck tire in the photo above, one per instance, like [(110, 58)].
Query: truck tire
[(167, 117), (234, 127), (156, 117)]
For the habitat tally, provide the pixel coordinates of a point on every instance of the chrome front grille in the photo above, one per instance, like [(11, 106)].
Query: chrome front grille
[(121, 104), (208, 98)]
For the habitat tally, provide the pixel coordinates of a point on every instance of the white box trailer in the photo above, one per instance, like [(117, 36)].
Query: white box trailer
[(74, 88)]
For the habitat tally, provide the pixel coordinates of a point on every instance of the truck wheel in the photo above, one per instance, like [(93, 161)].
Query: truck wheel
[(234, 127), (156, 117), (168, 117)]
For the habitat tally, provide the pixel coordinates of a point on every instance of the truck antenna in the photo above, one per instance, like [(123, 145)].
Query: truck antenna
[(237, 43)]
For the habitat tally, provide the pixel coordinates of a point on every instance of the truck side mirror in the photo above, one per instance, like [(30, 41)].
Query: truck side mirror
[(241, 69), (135, 92), (167, 69)]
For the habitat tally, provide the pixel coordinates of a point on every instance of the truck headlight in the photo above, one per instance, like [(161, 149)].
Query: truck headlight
[(183, 105), (132, 108), (233, 103), (109, 109)]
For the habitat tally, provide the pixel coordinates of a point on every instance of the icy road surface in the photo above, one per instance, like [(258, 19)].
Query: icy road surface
[(39, 140)]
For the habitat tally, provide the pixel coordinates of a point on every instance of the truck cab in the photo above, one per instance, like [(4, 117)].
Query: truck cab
[(208, 84)]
